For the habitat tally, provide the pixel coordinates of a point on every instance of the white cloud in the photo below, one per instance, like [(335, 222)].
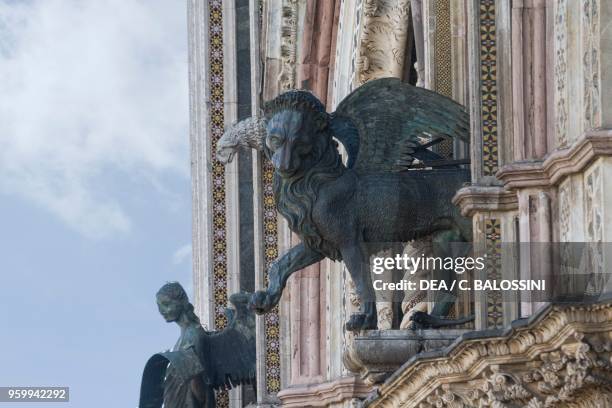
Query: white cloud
[(90, 90), (182, 254)]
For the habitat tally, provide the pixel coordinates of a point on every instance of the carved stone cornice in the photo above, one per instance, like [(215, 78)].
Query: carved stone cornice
[(560, 357), (484, 198), (383, 39), (558, 164), (325, 394)]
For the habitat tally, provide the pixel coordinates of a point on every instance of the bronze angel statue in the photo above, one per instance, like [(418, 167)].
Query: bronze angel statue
[(340, 210), (201, 361)]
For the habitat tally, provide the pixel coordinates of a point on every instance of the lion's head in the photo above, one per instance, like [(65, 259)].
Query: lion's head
[(297, 133)]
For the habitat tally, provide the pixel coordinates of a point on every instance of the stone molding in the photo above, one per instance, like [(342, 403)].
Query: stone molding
[(201, 181), (323, 395), (484, 198), (558, 164), (560, 357)]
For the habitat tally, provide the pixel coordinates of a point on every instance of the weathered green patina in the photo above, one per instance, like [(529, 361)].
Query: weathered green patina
[(201, 361), (341, 210)]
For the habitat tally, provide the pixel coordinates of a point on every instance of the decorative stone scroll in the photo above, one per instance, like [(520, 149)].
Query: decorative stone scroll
[(594, 228), (564, 197), (590, 57), (561, 120), (560, 358), (383, 39), (356, 52), (288, 44)]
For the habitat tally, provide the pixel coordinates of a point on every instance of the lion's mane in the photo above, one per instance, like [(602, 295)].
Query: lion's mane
[(295, 196)]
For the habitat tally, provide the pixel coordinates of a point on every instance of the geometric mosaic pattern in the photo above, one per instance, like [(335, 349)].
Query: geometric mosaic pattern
[(495, 317), (217, 123), (488, 108), (488, 86), (442, 50), (271, 319), (443, 62)]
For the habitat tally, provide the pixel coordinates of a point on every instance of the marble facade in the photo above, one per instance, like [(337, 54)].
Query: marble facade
[(534, 75)]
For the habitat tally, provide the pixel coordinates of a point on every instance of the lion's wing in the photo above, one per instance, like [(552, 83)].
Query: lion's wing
[(384, 124)]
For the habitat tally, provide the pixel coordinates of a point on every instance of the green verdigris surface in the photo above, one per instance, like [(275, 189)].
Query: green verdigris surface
[(201, 361), (341, 210)]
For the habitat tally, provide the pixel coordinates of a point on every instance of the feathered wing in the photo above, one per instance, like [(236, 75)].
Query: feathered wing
[(229, 355), (170, 371), (223, 359), (385, 123), (152, 386)]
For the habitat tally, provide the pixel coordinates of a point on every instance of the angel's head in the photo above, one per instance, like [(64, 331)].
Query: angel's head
[(296, 134), (173, 303)]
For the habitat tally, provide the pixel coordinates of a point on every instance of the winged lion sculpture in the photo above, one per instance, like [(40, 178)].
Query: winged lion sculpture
[(338, 209)]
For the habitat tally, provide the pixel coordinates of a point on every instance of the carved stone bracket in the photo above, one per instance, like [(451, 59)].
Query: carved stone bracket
[(480, 198), (561, 357)]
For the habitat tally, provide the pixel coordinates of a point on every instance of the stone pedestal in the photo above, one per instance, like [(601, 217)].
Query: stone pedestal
[(377, 354)]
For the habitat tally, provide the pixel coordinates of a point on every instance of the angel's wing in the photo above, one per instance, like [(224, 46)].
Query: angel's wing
[(229, 355), (385, 123), (171, 370), (222, 359)]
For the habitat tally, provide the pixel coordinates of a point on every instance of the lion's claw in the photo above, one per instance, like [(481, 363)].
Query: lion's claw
[(262, 302), (360, 321)]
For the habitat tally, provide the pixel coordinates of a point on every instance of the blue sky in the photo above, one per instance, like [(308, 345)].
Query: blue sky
[(95, 198)]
